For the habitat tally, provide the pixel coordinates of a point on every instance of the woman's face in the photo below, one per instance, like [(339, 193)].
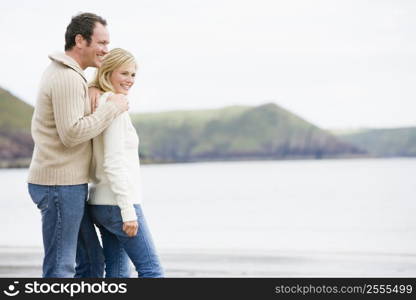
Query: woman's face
[(122, 78)]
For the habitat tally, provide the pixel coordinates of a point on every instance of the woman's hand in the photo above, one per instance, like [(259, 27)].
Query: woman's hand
[(130, 228), (94, 94)]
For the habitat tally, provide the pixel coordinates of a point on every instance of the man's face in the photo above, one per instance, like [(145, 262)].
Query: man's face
[(94, 52)]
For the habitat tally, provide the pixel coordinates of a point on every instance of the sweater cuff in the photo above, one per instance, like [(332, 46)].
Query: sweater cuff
[(128, 214)]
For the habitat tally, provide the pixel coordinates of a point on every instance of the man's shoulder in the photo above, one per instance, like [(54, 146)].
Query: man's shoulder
[(56, 72), (64, 70)]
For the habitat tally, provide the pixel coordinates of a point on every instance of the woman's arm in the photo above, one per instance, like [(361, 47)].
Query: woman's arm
[(115, 167)]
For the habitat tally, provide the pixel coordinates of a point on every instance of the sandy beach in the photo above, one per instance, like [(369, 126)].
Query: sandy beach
[(294, 219), (26, 262)]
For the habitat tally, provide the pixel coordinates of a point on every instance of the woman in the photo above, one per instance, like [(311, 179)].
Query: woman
[(115, 198)]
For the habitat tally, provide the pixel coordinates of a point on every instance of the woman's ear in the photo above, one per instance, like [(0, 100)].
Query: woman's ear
[(108, 77), (107, 80)]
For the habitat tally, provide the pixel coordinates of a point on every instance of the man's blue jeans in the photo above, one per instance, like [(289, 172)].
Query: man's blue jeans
[(62, 209), (118, 247)]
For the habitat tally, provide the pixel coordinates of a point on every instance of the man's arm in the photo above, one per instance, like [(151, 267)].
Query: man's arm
[(68, 101), (94, 94)]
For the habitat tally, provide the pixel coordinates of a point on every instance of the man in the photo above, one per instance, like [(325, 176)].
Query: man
[(62, 129)]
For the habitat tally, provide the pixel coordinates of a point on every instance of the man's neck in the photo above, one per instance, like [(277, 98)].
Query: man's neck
[(77, 57)]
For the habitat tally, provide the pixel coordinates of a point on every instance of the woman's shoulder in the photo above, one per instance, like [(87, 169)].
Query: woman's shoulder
[(103, 98)]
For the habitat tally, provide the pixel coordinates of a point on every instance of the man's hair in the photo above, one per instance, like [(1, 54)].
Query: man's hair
[(117, 57), (83, 24)]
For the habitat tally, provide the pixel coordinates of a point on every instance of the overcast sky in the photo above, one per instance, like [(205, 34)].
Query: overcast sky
[(336, 63)]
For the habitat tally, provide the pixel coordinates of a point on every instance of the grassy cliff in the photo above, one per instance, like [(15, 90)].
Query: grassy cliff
[(264, 132), (384, 142), (16, 144)]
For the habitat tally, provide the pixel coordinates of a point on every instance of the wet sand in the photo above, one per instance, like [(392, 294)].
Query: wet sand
[(26, 262)]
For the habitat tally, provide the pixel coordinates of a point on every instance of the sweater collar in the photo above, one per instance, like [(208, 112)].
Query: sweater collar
[(68, 61)]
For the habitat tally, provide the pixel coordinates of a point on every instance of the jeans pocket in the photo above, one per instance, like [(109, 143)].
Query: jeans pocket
[(39, 195), (114, 214), (100, 214)]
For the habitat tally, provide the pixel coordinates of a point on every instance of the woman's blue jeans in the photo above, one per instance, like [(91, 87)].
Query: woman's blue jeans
[(118, 247)]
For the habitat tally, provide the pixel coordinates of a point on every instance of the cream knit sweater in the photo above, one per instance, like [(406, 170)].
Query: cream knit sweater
[(63, 126), (115, 168)]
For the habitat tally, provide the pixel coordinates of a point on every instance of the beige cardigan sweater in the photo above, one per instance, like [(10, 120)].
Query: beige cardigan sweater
[(63, 126)]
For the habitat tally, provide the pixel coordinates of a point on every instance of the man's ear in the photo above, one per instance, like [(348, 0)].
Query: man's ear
[(79, 41)]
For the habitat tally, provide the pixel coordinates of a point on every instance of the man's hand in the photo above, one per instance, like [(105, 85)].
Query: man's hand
[(130, 228), (120, 100), (94, 94)]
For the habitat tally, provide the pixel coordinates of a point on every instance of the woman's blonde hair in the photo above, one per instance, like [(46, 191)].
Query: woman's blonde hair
[(112, 60)]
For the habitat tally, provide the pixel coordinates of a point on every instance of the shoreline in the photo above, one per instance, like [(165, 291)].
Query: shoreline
[(24, 164), (184, 263)]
